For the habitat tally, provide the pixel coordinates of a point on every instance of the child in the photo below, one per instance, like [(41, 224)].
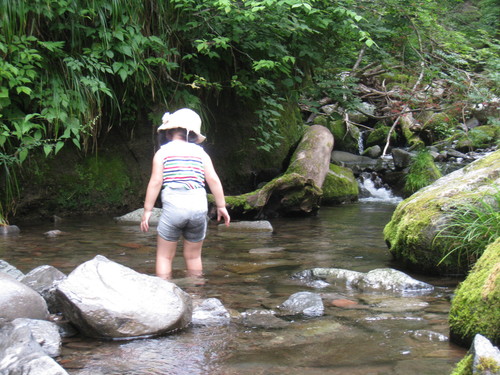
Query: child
[(181, 167)]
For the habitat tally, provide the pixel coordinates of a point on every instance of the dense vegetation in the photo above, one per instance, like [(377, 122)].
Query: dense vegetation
[(71, 70)]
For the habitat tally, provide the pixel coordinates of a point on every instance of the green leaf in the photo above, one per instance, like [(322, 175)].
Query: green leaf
[(23, 154), (47, 149), (59, 145)]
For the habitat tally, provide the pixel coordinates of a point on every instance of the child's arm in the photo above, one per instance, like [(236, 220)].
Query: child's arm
[(215, 185), (154, 187)]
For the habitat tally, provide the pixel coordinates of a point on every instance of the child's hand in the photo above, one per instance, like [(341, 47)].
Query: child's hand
[(145, 220), (222, 213)]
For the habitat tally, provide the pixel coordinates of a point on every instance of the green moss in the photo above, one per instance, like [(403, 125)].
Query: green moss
[(340, 186), (464, 367), (344, 139), (423, 172), (379, 136), (97, 181), (488, 365), (480, 137), (476, 305), (440, 126)]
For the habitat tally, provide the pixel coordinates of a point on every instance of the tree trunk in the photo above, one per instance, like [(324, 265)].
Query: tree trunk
[(298, 190)]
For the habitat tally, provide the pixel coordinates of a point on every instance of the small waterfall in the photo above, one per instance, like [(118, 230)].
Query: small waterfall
[(361, 147), (372, 189)]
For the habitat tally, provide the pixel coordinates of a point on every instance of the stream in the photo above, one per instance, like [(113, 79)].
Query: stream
[(370, 334)]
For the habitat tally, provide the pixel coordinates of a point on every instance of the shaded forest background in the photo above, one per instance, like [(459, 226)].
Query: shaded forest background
[(83, 84)]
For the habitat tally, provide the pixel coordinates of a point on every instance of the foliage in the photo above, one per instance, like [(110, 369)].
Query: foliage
[(422, 172), (470, 228), (72, 70)]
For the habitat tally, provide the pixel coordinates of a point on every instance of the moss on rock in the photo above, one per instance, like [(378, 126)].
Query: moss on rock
[(476, 305), (340, 186), (480, 137), (411, 233), (464, 367), (345, 139), (379, 136)]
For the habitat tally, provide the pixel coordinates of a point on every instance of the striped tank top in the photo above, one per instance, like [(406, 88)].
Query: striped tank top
[(183, 166)]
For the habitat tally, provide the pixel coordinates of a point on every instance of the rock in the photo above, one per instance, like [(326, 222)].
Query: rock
[(107, 300), (373, 152), (361, 116), (377, 280), (266, 250), (265, 319), (335, 276), (44, 280), (247, 226), (306, 303), (21, 354), (398, 305), (486, 356), (136, 216), (45, 333), (411, 233), (9, 269), (475, 308), (340, 186), (344, 303), (9, 229), (387, 279), (19, 301), (53, 233), (210, 312), (482, 359), (401, 158)]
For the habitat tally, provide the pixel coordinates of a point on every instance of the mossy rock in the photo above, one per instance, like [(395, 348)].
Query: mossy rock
[(345, 139), (439, 127), (378, 137), (340, 186), (411, 233), (423, 171), (480, 137), (476, 305)]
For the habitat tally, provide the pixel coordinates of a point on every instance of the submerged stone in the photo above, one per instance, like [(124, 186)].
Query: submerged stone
[(306, 303)]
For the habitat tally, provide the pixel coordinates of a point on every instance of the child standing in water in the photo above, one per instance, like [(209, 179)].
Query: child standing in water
[(181, 167)]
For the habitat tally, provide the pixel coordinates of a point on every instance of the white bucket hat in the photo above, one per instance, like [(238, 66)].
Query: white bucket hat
[(183, 118)]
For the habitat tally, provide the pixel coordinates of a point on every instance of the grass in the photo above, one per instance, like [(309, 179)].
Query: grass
[(471, 228)]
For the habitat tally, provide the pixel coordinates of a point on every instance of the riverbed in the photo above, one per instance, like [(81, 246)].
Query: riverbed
[(359, 333)]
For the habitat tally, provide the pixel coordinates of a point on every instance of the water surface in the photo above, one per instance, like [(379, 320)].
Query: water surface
[(374, 334)]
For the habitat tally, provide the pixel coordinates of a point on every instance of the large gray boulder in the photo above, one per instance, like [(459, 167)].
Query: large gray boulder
[(411, 235), (107, 300), (20, 354), (19, 301)]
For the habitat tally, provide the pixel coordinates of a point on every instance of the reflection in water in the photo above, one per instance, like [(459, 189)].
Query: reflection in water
[(358, 334)]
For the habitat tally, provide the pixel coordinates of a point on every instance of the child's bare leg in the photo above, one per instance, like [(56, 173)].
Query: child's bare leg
[(192, 257), (165, 252)]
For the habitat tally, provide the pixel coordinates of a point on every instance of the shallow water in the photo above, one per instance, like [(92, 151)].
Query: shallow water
[(375, 334)]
